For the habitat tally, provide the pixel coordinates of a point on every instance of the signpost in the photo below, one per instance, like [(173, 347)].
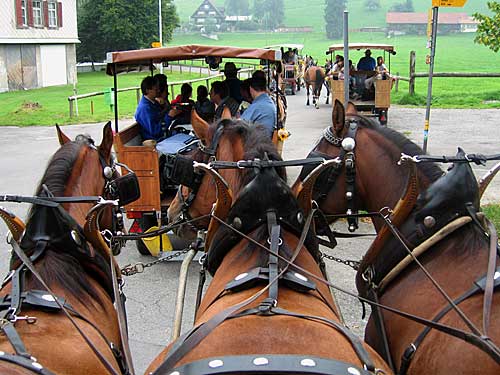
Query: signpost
[(432, 44)]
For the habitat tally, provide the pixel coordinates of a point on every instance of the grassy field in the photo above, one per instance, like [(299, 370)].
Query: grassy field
[(311, 12), (49, 105), (453, 55)]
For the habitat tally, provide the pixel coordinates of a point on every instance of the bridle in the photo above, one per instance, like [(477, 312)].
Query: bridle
[(347, 159), (180, 170), (62, 231)]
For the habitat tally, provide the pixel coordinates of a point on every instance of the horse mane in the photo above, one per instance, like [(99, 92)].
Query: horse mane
[(405, 145), (59, 266), (256, 143)]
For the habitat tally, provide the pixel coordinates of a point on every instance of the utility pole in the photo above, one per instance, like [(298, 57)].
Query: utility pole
[(160, 30)]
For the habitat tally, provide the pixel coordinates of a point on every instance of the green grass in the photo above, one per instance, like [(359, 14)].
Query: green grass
[(492, 211), (49, 105)]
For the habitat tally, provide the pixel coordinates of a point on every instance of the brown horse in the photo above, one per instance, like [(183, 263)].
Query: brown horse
[(314, 77), (299, 331), (75, 263), (456, 256)]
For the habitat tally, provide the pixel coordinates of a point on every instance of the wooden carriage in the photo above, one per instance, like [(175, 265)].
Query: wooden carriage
[(150, 209), (376, 102)]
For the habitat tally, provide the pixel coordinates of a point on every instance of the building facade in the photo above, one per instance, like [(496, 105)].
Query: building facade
[(416, 23), (208, 18), (37, 43)]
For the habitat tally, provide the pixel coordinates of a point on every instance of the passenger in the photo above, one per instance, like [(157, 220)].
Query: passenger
[(203, 105), (232, 81), (219, 94), (338, 68), (366, 62), (262, 111), (162, 98), (245, 94), (148, 113), (183, 104), (382, 73)]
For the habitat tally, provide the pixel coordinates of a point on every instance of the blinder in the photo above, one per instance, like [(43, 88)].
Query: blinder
[(125, 188), (179, 170)]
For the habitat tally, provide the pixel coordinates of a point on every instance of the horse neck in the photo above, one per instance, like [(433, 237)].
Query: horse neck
[(379, 179)]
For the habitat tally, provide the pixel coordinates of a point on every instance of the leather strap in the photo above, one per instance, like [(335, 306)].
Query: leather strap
[(268, 364), (264, 163), (27, 363), (48, 201)]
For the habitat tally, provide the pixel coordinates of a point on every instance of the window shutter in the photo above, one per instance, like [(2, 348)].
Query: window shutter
[(29, 10), (45, 10), (59, 15), (19, 14)]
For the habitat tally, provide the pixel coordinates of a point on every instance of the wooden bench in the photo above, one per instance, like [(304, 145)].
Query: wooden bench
[(143, 161)]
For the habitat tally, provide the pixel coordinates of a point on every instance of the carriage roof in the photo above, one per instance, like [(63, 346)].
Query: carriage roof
[(134, 59), (292, 46), (360, 46)]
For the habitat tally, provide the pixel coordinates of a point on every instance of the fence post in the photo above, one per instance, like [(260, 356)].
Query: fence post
[(70, 108), (397, 82), (411, 86), (208, 84), (138, 95)]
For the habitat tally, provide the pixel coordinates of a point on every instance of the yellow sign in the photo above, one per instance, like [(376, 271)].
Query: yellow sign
[(156, 45), (448, 3), (429, 23)]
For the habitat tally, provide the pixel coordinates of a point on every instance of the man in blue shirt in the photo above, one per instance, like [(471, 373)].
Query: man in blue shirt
[(262, 111), (367, 62), (148, 113)]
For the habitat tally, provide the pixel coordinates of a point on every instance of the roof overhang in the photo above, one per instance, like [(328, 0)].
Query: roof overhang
[(39, 41)]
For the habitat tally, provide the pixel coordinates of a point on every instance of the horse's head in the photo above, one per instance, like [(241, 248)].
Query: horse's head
[(226, 140), (369, 177), (78, 169)]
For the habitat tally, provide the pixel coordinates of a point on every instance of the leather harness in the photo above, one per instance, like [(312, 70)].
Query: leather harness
[(272, 275)]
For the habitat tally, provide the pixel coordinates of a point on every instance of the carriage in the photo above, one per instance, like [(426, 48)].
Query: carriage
[(291, 66), (149, 210), (374, 102)]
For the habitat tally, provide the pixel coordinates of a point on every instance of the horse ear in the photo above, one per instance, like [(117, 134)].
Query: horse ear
[(226, 114), (63, 138), (338, 117), (107, 141), (199, 125), (351, 109)]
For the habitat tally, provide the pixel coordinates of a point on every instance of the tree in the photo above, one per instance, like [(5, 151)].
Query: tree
[(237, 8), (114, 25), (269, 13), (372, 4), (488, 30), (407, 6), (334, 11)]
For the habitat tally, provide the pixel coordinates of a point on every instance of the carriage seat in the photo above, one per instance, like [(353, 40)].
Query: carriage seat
[(135, 141)]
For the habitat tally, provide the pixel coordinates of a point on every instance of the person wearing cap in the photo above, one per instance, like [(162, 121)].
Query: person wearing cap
[(367, 62), (232, 81), (262, 111), (219, 95)]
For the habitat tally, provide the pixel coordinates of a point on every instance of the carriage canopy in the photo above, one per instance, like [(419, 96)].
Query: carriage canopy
[(360, 46), (132, 60)]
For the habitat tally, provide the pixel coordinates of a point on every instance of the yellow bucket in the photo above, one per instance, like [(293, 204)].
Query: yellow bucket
[(153, 243)]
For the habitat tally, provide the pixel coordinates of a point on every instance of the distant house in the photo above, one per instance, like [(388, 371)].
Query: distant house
[(37, 43), (208, 16), (416, 23)]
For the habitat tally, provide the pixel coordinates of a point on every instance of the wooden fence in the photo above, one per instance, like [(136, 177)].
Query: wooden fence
[(413, 75), (171, 85)]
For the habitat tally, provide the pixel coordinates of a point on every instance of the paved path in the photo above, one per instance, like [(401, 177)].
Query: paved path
[(25, 152)]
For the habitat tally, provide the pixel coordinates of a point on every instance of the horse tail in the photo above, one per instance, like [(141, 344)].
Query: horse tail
[(319, 81)]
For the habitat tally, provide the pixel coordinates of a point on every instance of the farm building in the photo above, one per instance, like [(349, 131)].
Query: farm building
[(37, 43), (206, 16), (416, 23)]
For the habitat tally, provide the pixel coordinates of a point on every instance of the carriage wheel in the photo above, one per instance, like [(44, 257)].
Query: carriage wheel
[(147, 221)]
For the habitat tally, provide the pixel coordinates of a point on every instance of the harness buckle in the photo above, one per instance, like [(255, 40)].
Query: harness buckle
[(266, 306), (28, 319)]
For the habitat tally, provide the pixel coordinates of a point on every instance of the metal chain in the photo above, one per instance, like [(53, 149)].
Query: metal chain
[(130, 269), (351, 263)]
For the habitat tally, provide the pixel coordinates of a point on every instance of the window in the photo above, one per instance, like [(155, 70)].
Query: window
[(200, 20), (52, 10), (37, 13), (24, 13)]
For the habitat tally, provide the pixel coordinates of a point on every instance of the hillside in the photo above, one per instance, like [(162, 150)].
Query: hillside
[(311, 12)]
